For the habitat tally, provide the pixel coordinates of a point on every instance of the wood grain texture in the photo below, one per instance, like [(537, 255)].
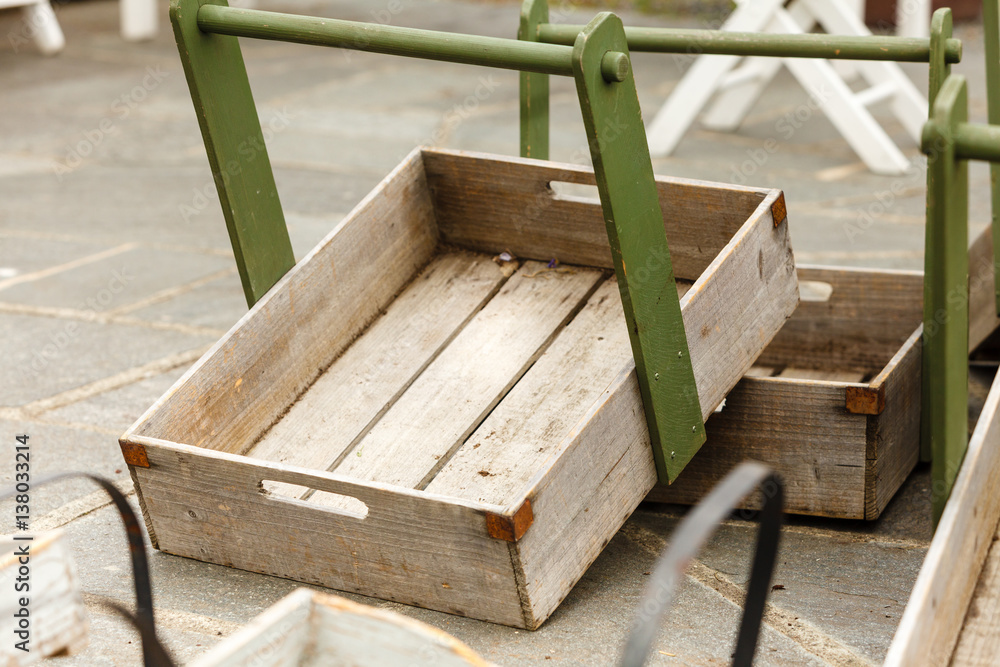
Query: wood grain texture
[(528, 426), (442, 407), (57, 615), (277, 637), (583, 495), (983, 318), (836, 463), (893, 437), (725, 334), (979, 643), (307, 628), (932, 620), (347, 633), (210, 506), (868, 317), (381, 364), (491, 203), (798, 427), (247, 380)]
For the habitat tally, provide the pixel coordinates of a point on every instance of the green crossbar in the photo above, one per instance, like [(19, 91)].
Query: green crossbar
[(940, 50), (206, 32)]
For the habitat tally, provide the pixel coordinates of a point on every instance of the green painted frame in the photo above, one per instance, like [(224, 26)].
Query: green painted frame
[(206, 32)]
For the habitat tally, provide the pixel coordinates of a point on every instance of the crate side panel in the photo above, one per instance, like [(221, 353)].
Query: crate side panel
[(585, 497), (347, 633), (254, 373), (492, 204), (380, 365), (801, 429), (462, 386), (867, 318), (738, 304), (410, 548), (894, 436)]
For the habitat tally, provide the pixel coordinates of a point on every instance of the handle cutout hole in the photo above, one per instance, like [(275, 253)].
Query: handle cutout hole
[(296, 493), (577, 192), (814, 290)]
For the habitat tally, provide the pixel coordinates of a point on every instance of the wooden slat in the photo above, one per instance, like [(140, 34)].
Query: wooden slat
[(375, 370), (760, 372), (724, 332), (530, 423), (491, 204), (278, 637), (347, 633), (893, 437), (247, 380), (979, 643), (801, 429), (452, 396), (868, 317), (815, 374), (583, 496), (412, 547), (520, 436), (933, 616)]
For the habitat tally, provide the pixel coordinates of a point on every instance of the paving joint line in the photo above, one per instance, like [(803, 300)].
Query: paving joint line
[(68, 266), (170, 293), (105, 318), (130, 376)]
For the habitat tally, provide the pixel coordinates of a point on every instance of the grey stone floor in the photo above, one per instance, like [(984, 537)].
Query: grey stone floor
[(116, 274)]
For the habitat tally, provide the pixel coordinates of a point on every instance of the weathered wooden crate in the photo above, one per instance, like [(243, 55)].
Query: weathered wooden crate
[(402, 417), (307, 628), (833, 404), (57, 619)]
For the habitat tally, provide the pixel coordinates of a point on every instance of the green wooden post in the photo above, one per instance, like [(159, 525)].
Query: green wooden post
[(940, 69), (946, 292), (534, 87), (991, 38), (624, 171), (217, 78)]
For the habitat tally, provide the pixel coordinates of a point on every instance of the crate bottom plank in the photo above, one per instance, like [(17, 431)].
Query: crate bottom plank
[(404, 340)]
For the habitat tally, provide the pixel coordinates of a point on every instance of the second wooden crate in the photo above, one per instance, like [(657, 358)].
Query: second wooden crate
[(404, 417), (833, 403)]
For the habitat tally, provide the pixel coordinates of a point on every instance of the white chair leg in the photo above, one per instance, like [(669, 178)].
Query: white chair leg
[(831, 95), (44, 27), (700, 82), (734, 102), (138, 19), (913, 18), (732, 105), (908, 105)]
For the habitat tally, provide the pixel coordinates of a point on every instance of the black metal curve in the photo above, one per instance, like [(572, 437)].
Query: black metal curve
[(688, 540), (154, 654)]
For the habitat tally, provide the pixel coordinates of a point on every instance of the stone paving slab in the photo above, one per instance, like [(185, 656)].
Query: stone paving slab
[(338, 122)]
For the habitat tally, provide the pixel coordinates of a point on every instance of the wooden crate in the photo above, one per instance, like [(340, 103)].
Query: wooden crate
[(833, 404), (57, 617), (398, 417), (307, 628)]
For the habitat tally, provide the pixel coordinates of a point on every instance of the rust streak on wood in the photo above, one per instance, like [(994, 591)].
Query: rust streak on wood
[(778, 210), (865, 400), (510, 528), (134, 454)]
